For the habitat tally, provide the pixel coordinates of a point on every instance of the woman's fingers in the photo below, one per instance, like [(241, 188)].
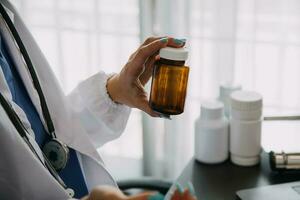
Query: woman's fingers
[(146, 51), (143, 104), (177, 195), (184, 194), (127, 86), (142, 196), (140, 99), (147, 73), (187, 195), (175, 42), (105, 192), (151, 39), (146, 42), (191, 189)]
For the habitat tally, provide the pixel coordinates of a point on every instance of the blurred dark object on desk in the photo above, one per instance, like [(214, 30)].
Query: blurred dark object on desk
[(283, 162)]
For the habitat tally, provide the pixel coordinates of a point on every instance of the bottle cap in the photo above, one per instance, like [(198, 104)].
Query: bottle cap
[(178, 54), (211, 110), (225, 91), (227, 88), (246, 100)]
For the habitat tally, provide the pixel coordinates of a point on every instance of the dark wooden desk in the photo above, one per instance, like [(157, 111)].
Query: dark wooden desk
[(220, 182)]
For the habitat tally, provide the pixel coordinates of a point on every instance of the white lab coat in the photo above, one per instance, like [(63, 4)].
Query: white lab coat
[(84, 120)]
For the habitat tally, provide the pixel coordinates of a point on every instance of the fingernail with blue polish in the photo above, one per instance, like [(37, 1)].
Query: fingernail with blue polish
[(179, 41), (156, 196), (179, 188), (164, 40), (191, 188)]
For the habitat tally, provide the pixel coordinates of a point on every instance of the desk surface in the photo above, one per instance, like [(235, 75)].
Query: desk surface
[(220, 182)]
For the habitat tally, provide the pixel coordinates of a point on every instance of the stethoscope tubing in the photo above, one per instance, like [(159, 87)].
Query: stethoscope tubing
[(10, 111)]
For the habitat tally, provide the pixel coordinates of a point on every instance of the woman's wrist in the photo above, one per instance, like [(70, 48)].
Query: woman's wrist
[(113, 88)]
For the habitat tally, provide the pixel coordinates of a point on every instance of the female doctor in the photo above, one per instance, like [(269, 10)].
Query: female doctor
[(93, 114)]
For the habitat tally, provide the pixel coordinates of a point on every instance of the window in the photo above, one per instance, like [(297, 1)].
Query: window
[(252, 42), (79, 38)]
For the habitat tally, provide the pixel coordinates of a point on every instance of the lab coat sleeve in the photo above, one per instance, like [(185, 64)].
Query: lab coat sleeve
[(103, 119)]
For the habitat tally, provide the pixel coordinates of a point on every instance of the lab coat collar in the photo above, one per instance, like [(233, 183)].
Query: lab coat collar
[(19, 63)]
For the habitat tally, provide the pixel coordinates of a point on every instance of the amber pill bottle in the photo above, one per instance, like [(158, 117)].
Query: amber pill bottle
[(169, 81)]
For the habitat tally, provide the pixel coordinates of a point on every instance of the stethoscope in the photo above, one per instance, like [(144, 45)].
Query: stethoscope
[(55, 153)]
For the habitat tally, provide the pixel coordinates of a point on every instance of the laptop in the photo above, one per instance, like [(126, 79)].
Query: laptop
[(286, 191)]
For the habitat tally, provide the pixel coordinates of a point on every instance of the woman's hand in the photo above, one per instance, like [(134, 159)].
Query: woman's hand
[(112, 193), (186, 195), (127, 87)]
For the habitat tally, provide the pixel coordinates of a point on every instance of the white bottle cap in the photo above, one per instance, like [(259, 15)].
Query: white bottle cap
[(178, 54), (246, 101), (211, 110), (227, 88), (225, 91)]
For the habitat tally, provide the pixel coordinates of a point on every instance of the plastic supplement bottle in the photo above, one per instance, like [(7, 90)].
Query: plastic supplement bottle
[(245, 128), (225, 91), (169, 81), (211, 134)]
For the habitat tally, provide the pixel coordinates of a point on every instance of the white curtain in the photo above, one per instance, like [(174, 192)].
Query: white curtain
[(79, 38), (251, 42)]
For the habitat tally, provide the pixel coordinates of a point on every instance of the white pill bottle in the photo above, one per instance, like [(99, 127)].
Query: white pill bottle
[(226, 89), (245, 128), (211, 134)]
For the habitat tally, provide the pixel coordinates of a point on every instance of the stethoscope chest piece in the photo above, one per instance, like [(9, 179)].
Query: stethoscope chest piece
[(57, 153), (70, 192)]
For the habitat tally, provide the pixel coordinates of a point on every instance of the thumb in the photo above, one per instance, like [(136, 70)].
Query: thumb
[(143, 105)]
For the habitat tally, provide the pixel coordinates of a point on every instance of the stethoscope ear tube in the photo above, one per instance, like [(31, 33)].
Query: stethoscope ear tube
[(12, 115)]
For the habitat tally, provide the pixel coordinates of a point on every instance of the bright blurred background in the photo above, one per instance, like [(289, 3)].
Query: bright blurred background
[(252, 42)]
